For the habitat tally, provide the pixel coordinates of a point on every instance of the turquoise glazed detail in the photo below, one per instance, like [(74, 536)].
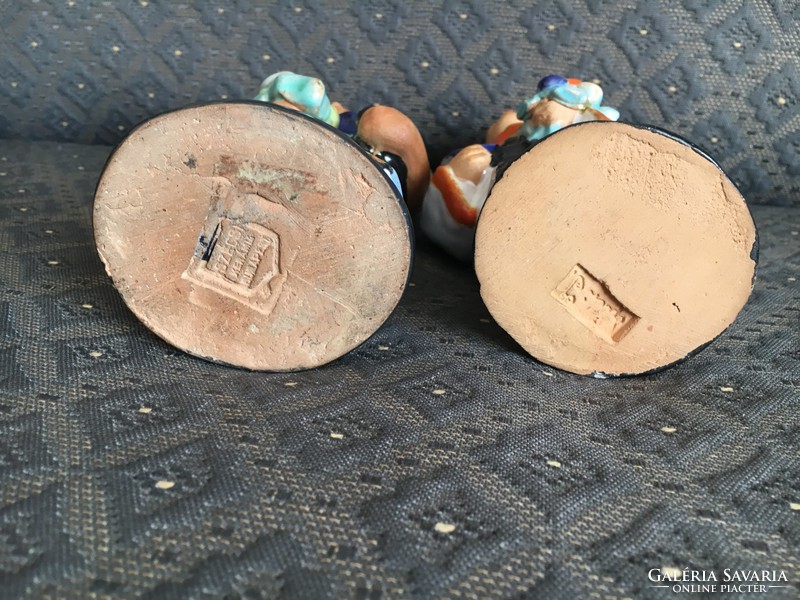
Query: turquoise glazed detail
[(306, 93), (583, 96)]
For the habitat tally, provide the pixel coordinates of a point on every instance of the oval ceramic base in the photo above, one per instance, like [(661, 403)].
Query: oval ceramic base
[(609, 249), (252, 235)]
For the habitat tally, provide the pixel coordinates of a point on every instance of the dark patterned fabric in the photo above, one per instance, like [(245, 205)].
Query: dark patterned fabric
[(435, 461), (724, 74)]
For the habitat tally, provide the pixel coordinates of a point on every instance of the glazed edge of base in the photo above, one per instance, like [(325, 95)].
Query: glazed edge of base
[(502, 168), (280, 109)]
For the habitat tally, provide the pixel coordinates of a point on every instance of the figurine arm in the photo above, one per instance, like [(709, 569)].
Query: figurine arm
[(458, 181)]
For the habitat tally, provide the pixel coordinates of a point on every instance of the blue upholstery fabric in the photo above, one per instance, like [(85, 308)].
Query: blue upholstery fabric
[(460, 467), (723, 74)]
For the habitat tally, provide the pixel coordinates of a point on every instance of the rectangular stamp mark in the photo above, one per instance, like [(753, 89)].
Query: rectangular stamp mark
[(238, 253), (590, 302), (238, 259)]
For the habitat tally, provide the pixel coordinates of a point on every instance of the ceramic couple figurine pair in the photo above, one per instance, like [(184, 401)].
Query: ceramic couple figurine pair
[(276, 234)]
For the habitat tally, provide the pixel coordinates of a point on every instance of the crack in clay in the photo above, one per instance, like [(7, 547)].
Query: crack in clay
[(364, 187)]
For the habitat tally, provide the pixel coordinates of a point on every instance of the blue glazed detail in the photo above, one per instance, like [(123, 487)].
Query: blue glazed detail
[(348, 122), (550, 81)]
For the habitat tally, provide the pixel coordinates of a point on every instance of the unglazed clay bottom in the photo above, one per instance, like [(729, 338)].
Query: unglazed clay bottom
[(252, 235), (610, 249)]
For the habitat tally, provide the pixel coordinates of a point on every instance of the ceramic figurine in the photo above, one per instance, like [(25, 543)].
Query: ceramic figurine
[(602, 248), (268, 234), (383, 131), (461, 183)]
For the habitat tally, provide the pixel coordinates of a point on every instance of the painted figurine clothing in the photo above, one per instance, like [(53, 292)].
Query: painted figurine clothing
[(460, 185)]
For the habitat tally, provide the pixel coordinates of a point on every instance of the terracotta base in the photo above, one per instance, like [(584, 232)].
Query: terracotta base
[(610, 249), (252, 235)]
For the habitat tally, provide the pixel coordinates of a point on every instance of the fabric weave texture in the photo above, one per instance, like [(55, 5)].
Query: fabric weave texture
[(437, 460), (724, 74)]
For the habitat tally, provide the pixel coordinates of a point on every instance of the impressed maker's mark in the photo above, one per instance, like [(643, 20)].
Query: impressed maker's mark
[(590, 302), (239, 260)]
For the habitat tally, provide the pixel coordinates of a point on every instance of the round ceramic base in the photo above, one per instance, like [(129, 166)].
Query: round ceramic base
[(252, 235), (609, 249)]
